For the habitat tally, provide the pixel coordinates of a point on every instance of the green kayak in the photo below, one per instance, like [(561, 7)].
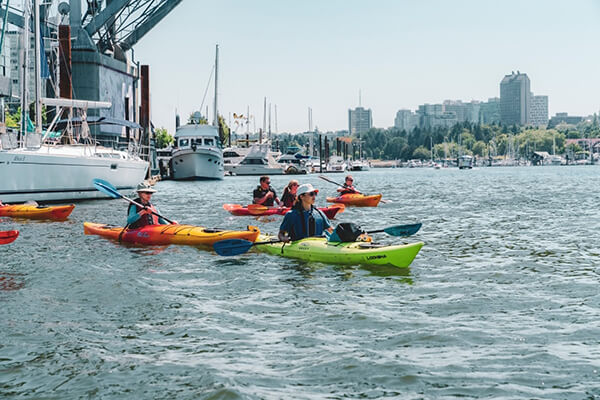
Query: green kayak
[(354, 253)]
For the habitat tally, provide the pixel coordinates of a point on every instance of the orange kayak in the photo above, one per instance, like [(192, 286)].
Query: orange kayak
[(168, 234), (7, 237), (58, 213), (356, 199)]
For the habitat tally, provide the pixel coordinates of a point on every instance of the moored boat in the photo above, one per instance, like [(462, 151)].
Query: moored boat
[(169, 234)]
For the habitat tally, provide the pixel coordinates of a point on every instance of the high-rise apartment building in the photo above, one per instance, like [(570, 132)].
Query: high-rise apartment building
[(359, 120), (538, 110), (489, 112), (406, 120), (515, 97)]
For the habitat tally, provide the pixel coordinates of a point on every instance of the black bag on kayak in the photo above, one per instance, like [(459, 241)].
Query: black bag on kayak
[(346, 232)]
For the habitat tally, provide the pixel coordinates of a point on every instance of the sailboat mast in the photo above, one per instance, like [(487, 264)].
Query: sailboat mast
[(25, 66), (216, 112), (38, 68)]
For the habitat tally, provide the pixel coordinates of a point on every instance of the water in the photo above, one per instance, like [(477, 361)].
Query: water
[(502, 302)]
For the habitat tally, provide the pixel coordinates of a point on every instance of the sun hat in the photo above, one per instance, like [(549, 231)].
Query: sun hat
[(145, 187), (306, 188)]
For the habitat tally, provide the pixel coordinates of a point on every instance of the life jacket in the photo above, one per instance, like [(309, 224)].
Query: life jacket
[(347, 190), (312, 225), (147, 219)]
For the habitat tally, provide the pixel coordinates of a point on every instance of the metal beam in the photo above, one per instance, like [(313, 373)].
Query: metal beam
[(105, 15), (13, 19), (145, 27)]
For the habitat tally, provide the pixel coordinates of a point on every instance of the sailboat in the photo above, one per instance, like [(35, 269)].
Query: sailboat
[(60, 166)]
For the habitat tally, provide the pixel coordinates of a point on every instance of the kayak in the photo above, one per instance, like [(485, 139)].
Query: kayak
[(257, 210), (354, 253), (57, 213), (7, 237), (356, 199), (168, 234)]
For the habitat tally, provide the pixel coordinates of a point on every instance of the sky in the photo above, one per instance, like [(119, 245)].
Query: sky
[(399, 54)]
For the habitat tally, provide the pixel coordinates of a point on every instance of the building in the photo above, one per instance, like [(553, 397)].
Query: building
[(564, 118), (538, 111), (489, 112), (463, 111), (434, 115), (515, 98), (406, 120), (359, 120)]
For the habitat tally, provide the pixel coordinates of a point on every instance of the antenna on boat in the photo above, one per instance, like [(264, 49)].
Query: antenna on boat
[(216, 113), (276, 131), (269, 133), (264, 129)]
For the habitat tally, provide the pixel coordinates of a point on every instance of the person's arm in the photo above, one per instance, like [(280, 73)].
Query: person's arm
[(133, 215), (285, 227), (261, 200)]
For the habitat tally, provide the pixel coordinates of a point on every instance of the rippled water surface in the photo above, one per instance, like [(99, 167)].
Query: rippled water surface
[(502, 302)]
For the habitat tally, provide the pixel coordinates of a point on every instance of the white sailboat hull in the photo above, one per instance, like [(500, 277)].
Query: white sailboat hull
[(204, 163), (58, 174)]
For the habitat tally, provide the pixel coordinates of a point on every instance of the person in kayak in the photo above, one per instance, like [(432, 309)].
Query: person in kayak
[(138, 217), (264, 194), (348, 187), (304, 220), (289, 194)]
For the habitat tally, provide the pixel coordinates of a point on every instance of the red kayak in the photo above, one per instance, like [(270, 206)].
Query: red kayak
[(7, 237), (258, 210)]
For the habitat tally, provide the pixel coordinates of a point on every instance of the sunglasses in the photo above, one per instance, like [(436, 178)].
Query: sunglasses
[(268, 183), (349, 180), (312, 194)]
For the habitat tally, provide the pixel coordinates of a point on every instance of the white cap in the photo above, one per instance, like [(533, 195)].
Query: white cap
[(306, 188)]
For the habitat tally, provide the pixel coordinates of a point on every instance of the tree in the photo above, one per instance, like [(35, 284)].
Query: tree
[(224, 130), (479, 148), (421, 153), (163, 139)]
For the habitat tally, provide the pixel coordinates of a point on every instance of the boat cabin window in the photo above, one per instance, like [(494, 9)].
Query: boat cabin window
[(230, 154), (209, 142), (184, 142), (255, 161)]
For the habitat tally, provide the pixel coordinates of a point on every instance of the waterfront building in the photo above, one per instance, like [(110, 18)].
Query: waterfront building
[(538, 111), (564, 118), (406, 120), (489, 112), (433, 115), (359, 120), (463, 111), (515, 98)]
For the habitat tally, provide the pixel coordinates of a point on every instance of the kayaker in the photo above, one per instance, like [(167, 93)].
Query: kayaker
[(348, 186), (289, 193), (304, 220), (138, 217), (264, 194)]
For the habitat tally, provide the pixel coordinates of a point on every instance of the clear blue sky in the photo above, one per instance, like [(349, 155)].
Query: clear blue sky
[(318, 54)]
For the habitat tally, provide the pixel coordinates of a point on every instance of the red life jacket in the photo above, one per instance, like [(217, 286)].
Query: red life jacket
[(147, 219)]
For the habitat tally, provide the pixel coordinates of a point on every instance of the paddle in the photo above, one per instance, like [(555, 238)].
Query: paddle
[(340, 185), (7, 237), (234, 247), (109, 189)]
